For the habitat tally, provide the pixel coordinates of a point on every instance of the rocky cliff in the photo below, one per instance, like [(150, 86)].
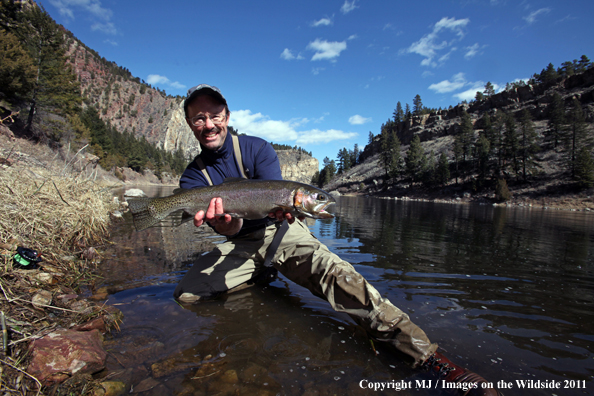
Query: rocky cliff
[(297, 166), (129, 104)]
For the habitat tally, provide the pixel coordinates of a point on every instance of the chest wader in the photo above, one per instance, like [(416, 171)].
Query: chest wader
[(280, 233)]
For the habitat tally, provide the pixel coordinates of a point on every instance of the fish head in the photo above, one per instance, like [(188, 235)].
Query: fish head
[(312, 202)]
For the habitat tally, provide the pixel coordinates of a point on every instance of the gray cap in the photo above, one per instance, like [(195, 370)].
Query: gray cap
[(203, 89)]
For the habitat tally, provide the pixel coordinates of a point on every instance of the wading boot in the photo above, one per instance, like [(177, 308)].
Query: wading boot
[(458, 380)]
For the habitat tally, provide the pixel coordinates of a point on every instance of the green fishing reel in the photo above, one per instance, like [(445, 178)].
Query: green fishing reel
[(26, 258)]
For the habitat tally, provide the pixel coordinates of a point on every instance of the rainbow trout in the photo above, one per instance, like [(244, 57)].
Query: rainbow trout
[(247, 199)]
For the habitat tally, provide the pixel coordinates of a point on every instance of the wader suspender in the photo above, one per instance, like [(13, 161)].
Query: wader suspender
[(280, 233)]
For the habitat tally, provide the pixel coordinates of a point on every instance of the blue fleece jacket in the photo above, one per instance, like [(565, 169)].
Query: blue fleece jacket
[(259, 159)]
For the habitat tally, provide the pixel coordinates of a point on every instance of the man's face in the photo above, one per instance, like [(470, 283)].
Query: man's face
[(210, 135)]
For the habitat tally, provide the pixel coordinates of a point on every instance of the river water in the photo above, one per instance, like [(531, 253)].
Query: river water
[(506, 292)]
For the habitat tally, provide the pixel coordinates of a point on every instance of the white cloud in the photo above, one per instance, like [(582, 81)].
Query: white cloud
[(108, 28), (531, 18), (155, 79), (348, 6), (322, 22), (316, 70), (358, 120), (446, 86), (352, 37), (470, 94), (471, 51), (315, 136), (287, 54), (65, 7), (326, 50), (93, 7), (257, 124), (430, 44)]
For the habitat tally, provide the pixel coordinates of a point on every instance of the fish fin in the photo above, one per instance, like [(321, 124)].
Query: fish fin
[(141, 214), (179, 190)]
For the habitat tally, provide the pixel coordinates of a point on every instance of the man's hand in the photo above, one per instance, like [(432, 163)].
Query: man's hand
[(224, 225), (280, 216)]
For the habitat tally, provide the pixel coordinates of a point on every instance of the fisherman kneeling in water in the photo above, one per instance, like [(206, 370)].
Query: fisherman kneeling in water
[(297, 254)]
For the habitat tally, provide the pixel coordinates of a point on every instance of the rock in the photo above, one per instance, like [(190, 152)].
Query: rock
[(95, 324), (145, 385), (43, 297), (113, 388), (229, 377), (79, 306), (44, 277), (63, 353), (134, 192), (66, 298), (297, 166)]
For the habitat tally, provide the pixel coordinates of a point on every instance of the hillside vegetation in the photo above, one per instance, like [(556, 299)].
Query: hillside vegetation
[(530, 142)]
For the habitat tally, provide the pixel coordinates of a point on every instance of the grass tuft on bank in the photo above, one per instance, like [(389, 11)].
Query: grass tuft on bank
[(59, 205)]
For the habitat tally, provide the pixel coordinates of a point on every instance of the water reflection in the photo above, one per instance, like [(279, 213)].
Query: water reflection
[(507, 292)]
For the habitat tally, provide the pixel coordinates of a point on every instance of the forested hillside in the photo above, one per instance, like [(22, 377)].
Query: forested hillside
[(534, 137), (42, 97)]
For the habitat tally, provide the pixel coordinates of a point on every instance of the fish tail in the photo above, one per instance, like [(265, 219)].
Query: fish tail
[(143, 213)]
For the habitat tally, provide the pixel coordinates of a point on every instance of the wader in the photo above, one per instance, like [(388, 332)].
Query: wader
[(304, 260)]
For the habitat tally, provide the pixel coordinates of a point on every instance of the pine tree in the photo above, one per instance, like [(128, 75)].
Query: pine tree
[(415, 160), (17, 73), (407, 113), (417, 105), (442, 173), (398, 113), (489, 89), (583, 64), (549, 74), (528, 146), (567, 69), (556, 112), (429, 170), (466, 135), (482, 154), (511, 143), (584, 168), (576, 137), (56, 87)]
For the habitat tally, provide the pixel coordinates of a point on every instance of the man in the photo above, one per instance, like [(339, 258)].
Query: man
[(298, 255)]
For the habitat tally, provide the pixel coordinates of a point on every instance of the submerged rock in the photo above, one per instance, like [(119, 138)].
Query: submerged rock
[(63, 353)]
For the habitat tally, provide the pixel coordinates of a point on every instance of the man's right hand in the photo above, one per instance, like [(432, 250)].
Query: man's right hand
[(224, 225)]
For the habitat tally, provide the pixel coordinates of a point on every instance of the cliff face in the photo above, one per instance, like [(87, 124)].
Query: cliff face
[(297, 166), (128, 104)]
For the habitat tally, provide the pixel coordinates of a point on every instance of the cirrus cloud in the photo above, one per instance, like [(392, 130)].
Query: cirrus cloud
[(430, 44)]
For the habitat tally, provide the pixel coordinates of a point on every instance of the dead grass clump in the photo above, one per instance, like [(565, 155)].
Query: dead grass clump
[(61, 212)]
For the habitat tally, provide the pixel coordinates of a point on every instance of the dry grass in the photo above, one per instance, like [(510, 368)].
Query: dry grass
[(61, 208)]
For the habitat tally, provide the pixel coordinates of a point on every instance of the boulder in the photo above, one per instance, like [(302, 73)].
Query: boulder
[(134, 192), (63, 353)]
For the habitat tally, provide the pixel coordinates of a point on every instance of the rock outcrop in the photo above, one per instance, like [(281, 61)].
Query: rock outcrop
[(297, 166)]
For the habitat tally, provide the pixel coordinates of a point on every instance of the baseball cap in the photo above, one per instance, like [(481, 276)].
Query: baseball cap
[(203, 89)]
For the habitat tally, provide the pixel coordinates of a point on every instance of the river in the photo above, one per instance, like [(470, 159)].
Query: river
[(506, 292)]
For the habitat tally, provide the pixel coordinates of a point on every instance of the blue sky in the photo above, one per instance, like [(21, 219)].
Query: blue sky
[(323, 74)]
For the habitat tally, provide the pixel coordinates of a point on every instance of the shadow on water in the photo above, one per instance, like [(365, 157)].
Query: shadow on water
[(508, 293)]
